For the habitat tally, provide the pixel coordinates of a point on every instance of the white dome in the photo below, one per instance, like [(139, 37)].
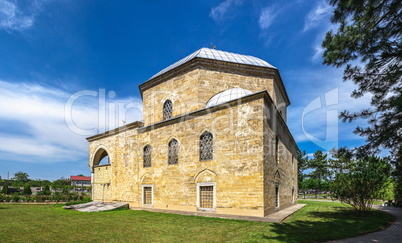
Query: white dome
[(227, 95)]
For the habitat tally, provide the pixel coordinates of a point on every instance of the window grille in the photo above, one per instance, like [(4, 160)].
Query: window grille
[(206, 196), (173, 152), (147, 156), (206, 146), (148, 195), (167, 110)]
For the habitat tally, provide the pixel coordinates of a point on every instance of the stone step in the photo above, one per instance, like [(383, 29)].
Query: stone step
[(96, 206)]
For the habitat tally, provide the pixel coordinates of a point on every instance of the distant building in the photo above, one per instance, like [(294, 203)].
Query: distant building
[(80, 181)]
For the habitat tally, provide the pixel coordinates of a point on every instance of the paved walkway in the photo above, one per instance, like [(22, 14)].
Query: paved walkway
[(272, 218), (392, 234)]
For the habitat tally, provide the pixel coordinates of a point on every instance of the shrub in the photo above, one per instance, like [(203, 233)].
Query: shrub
[(363, 183), (15, 197), (27, 190), (5, 190), (46, 190)]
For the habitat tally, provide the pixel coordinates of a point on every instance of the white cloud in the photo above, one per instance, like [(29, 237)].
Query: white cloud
[(331, 95), (33, 122), (18, 16), (315, 17), (318, 50), (220, 12), (267, 17)]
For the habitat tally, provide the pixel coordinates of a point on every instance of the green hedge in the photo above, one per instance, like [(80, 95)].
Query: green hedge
[(57, 197)]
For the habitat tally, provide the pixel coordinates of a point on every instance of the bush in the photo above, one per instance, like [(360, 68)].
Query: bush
[(15, 197), (363, 183), (5, 190), (46, 190), (27, 190)]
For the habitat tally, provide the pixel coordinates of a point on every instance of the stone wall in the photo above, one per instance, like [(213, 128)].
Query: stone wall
[(280, 164), (236, 167), (190, 91)]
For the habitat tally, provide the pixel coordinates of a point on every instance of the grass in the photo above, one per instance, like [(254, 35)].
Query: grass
[(311, 196), (318, 221)]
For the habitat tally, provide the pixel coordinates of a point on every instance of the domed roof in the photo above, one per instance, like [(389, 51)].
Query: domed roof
[(217, 55), (227, 95)]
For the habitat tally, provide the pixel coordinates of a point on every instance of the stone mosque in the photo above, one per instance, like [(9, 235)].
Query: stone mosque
[(213, 138)]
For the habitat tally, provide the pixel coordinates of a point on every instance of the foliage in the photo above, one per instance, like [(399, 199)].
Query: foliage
[(313, 223), (21, 177), (363, 183), (5, 190), (397, 173), (27, 190), (370, 34), (302, 163), (341, 160), (71, 197), (62, 182), (15, 197), (39, 183), (46, 190), (388, 191), (320, 165)]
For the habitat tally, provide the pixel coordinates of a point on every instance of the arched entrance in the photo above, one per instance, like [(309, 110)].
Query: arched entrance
[(100, 164)]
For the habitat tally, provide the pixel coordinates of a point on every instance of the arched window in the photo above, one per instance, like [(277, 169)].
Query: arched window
[(173, 152), (167, 110), (206, 146), (147, 156)]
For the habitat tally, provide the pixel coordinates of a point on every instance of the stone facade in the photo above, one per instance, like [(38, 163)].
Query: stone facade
[(253, 169)]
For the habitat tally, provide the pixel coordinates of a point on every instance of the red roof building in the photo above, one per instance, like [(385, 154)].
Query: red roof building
[(80, 180)]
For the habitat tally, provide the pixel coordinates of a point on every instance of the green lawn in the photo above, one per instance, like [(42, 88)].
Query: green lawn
[(317, 221)]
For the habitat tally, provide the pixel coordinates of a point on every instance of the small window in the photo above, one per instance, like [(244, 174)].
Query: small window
[(206, 146), (277, 149), (147, 195), (147, 156), (276, 195), (293, 195), (167, 110), (173, 152)]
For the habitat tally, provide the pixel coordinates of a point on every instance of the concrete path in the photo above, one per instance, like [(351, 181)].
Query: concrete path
[(392, 234), (272, 218), (96, 206)]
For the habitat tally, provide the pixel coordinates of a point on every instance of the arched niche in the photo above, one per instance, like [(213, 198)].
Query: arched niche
[(147, 179), (205, 175)]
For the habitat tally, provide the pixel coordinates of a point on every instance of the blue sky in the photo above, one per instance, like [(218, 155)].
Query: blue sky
[(52, 49)]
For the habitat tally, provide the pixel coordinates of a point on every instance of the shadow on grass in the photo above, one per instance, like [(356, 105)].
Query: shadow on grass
[(323, 226)]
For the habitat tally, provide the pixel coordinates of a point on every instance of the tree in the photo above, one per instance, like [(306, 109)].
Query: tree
[(369, 42), (397, 173), (319, 163), (46, 190), (27, 190), (363, 183), (5, 190), (21, 177), (341, 159), (302, 163)]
